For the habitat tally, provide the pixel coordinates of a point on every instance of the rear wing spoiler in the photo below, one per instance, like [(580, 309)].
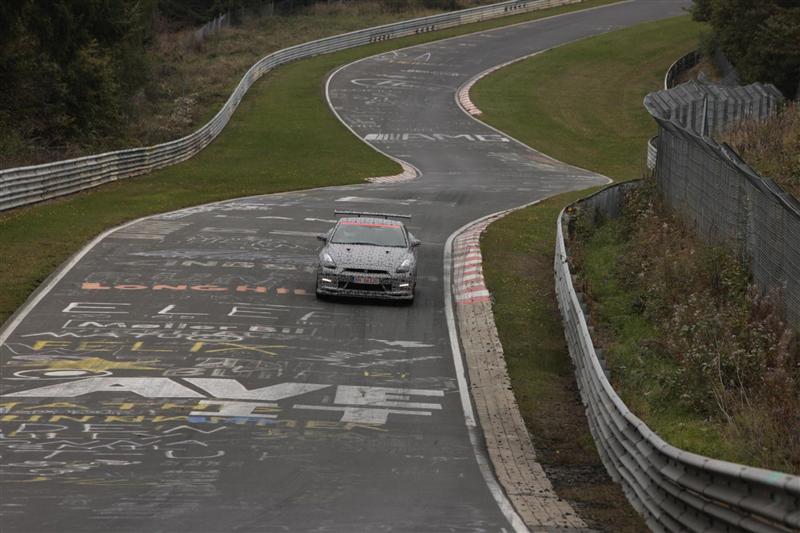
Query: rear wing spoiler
[(376, 215)]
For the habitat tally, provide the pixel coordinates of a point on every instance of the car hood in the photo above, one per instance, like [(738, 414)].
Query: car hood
[(367, 256)]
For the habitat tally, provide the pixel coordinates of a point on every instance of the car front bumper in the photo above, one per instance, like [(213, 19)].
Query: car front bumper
[(388, 287)]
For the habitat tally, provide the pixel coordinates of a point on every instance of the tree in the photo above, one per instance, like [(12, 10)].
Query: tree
[(69, 67), (760, 37)]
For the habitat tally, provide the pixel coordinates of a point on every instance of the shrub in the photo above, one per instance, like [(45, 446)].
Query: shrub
[(730, 358), (760, 37), (771, 146)]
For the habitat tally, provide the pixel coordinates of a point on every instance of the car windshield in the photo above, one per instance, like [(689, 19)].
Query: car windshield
[(369, 233)]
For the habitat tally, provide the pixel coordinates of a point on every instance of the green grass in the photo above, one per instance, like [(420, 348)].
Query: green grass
[(518, 266), (640, 381), (283, 137), (581, 103)]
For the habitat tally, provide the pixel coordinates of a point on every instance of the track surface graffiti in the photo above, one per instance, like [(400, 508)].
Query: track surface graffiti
[(182, 377)]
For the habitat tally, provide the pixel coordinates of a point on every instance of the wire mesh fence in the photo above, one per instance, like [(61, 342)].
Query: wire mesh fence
[(707, 108), (724, 199)]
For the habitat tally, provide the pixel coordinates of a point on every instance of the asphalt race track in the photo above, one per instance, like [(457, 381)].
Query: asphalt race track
[(180, 375)]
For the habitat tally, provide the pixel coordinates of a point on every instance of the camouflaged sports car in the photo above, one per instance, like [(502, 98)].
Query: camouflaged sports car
[(368, 255)]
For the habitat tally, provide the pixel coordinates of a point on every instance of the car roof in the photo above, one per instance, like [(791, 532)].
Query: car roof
[(371, 221)]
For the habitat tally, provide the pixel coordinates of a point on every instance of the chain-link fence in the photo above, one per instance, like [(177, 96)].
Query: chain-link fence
[(717, 193), (707, 108), (212, 27)]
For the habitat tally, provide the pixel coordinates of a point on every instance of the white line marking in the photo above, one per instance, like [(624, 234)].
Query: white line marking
[(473, 429), (29, 305), (369, 200)]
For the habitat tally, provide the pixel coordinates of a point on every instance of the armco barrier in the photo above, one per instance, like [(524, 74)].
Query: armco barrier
[(26, 185), (681, 65), (673, 489), (652, 152)]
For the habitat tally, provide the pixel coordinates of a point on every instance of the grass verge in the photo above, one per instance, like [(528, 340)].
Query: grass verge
[(581, 103), (283, 137)]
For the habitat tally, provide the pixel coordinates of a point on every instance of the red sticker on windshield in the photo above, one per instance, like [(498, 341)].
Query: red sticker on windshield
[(365, 224)]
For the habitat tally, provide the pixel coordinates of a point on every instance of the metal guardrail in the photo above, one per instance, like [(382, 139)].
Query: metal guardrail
[(652, 152), (673, 489), (680, 65), (26, 185)]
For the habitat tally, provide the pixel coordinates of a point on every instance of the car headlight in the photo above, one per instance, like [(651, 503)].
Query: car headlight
[(327, 261), (405, 266)]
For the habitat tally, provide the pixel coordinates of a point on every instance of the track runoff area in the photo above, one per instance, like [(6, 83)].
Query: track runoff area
[(179, 375)]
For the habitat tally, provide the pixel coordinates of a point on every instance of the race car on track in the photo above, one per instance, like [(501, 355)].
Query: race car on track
[(368, 255)]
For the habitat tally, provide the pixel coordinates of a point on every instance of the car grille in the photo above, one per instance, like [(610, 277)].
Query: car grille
[(366, 287), (365, 271)]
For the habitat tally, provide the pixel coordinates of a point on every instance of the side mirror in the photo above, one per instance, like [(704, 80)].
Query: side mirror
[(323, 237), (415, 243)]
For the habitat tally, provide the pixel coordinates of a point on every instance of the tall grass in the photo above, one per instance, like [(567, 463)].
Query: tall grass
[(695, 349), (771, 146)]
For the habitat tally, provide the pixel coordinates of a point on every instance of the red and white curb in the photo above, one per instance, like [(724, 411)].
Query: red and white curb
[(465, 101), (469, 286), (409, 173), (527, 489), (462, 96)]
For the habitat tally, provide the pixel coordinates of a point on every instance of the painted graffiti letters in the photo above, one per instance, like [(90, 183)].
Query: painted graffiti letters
[(96, 308), (146, 387), (373, 405), (362, 404), (234, 409), (55, 446), (209, 287)]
